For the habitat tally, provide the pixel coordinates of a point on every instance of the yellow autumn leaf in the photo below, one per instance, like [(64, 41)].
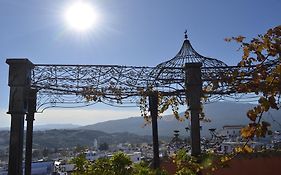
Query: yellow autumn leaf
[(239, 38), (248, 149), (246, 52)]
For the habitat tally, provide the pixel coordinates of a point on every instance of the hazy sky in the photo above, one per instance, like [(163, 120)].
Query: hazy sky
[(128, 32)]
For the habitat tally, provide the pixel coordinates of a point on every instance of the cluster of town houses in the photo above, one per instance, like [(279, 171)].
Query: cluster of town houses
[(223, 141), (230, 138)]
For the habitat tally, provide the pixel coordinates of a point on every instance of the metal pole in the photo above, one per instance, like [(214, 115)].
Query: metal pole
[(153, 107), (193, 85), (29, 130), (19, 82)]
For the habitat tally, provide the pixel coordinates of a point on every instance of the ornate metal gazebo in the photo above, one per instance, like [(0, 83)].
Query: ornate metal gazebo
[(68, 85), (35, 87)]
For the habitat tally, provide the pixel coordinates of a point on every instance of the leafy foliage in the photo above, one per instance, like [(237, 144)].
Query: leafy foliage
[(261, 57), (172, 102), (102, 166), (261, 75), (164, 103), (81, 165), (190, 165), (118, 164), (141, 169)]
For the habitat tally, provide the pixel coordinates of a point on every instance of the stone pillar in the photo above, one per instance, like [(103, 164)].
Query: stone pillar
[(193, 86), (29, 130), (153, 108), (19, 82)]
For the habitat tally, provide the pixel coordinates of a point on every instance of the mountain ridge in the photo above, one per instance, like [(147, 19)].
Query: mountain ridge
[(67, 138), (220, 114), (49, 127)]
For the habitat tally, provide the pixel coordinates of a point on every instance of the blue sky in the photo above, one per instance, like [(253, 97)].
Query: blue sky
[(130, 32)]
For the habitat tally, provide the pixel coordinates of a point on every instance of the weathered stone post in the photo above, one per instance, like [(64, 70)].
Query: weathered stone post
[(19, 82), (193, 86), (153, 108), (29, 130)]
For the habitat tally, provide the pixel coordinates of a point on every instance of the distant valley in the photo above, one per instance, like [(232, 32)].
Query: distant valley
[(71, 138), (133, 130)]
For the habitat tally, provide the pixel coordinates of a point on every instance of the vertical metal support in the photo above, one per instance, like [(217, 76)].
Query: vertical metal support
[(19, 82), (29, 130), (153, 108), (193, 85)]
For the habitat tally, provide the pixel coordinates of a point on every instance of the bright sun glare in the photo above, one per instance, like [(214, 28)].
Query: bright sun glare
[(81, 16)]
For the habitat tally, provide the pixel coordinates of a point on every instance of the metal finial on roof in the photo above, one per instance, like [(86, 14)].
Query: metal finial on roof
[(187, 54), (185, 34)]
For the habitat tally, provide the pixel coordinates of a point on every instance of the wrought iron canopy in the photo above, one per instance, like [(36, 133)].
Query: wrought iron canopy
[(70, 84), (82, 85)]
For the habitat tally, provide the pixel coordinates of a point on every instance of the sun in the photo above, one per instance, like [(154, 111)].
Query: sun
[(81, 16)]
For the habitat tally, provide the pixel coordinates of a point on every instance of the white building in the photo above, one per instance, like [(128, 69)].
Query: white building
[(63, 168), (93, 155), (135, 157), (231, 131)]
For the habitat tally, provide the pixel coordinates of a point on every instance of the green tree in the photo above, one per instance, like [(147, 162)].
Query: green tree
[(102, 166), (190, 165), (121, 164), (79, 149), (143, 168), (118, 164), (82, 165)]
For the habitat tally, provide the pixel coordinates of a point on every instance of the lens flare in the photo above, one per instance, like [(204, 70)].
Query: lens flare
[(81, 16)]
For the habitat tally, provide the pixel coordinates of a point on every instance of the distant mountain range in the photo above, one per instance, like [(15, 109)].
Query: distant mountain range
[(55, 126), (70, 138), (61, 138), (220, 114), (49, 127)]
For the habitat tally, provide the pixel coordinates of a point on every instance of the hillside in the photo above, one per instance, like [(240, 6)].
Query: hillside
[(69, 138), (48, 127), (133, 130), (54, 126), (221, 113)]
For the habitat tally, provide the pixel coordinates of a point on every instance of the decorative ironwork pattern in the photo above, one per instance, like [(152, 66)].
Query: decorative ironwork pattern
[(171, 72), (188, 55), (69, 83), (82, 85)]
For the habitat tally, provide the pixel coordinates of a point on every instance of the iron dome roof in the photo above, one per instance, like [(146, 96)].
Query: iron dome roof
[(166, 73), (187, 54)]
